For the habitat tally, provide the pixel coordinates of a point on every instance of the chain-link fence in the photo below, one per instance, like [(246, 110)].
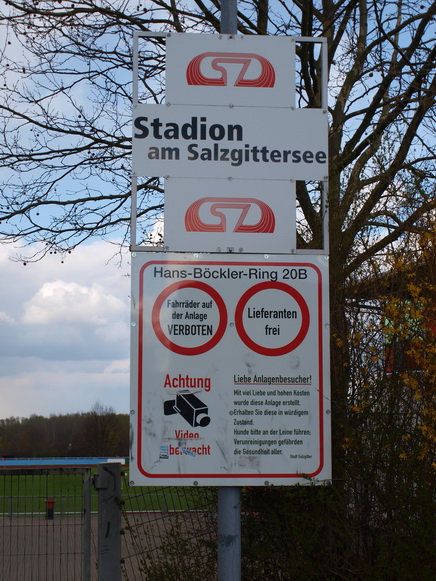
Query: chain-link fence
[(49, 528), (45, 524), (169, 533)]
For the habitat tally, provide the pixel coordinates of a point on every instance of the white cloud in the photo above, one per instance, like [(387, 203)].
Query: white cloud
[(63, 389), (5, 318), (69, 302), (64, 332), (122, 366)]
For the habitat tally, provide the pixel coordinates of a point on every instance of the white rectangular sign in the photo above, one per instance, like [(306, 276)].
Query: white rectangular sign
[(225, 216), (230, 381), (220, 69), (229, 142)]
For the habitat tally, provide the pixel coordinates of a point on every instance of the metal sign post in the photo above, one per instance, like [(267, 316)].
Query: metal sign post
[(229, 498), (229, 17)]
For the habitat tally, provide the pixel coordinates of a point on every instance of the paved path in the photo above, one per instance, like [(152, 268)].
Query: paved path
[(35, 549)]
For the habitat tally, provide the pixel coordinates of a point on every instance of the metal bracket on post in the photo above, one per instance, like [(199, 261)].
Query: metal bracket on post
[(108, 484)]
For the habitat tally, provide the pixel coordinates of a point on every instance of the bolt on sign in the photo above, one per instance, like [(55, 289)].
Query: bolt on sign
[(230, 381)]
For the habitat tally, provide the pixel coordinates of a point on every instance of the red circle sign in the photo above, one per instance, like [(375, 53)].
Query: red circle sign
[(272, 351), (180, 349)]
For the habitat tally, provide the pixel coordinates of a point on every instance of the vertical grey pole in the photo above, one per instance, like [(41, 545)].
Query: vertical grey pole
[(134, 194), (229, 17), (325, 183), (108, 484), (229, 497), (87, 525), (229, 533)]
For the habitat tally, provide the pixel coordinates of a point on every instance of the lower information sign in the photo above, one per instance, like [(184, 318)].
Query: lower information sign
[(230, 378)]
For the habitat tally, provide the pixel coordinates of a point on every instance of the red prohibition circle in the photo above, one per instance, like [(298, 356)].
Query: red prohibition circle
[(272, 351), (155, 318)]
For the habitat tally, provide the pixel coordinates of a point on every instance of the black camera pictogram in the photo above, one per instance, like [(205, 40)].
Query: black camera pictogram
[(189, 407)]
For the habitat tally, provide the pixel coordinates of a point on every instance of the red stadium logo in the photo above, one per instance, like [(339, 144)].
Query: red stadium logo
[(265, 224), (216, 60)]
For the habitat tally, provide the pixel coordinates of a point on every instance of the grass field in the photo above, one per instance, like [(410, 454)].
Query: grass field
[(26, 494)]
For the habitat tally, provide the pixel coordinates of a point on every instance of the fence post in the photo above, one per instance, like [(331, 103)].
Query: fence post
[(108, 484), (87, 525)]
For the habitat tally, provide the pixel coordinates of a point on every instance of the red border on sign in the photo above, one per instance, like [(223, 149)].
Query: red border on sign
[(272, 351), (238, 476), (155, 318)]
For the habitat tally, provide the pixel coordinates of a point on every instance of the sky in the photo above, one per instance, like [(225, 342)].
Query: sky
[(64, 332)]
